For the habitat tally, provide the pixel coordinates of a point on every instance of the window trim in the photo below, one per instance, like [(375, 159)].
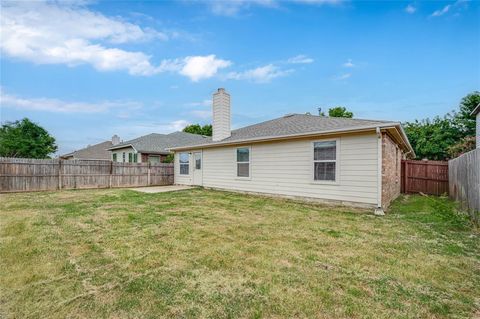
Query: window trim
[(337, 162), (195, 160), (249, 177), (180, 164)]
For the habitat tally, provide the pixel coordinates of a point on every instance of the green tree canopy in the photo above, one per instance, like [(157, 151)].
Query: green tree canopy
[(464, 119), (198, 129), (432, 138), (26, 139), (339, 111)]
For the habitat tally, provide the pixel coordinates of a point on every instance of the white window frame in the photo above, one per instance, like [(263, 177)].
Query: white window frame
[(180, 164), (249, 163), (337, 162)]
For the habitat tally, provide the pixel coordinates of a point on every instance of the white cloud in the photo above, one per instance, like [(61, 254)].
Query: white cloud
[(177, 125), (344, 76), (233, 7), (442, 11), (410, 9), (203, 114), (206, 102), (300, 59), (202, 67), (348, 64), (68, 33), (263, 74), (60, 106), (51, 33), (456, 6)]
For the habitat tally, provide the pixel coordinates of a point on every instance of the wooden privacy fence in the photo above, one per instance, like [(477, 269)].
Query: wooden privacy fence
[(464, 176), (21, 174), (428, 177)]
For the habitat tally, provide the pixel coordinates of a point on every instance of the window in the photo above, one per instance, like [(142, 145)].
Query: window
[(135, 157), (184, 163), (243, 162), (198, 160), (123, 157), (114, 157), (324, 161), (130, 157)]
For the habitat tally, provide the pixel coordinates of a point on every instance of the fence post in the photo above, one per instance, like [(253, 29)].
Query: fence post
[(59, 173), (148, 175), (110, 175)]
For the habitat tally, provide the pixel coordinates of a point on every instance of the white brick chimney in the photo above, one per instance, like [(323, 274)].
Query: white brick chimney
[(221, 115), (115, 139)]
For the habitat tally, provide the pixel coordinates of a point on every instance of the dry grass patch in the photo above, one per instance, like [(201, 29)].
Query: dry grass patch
[(203, 253)]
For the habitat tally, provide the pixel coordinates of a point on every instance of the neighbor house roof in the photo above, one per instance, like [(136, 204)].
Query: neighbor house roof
[(92, 152), (476, 110), (296, 125), (160, 143)]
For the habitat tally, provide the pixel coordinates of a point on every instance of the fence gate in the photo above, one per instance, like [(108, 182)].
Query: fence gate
[(428, 177)]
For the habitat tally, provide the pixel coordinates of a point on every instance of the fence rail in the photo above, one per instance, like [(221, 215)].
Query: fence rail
[(24, 175), (464, 176), (428, 177)]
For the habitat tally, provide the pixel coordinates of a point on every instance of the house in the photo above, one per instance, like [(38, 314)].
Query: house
[(152, 148), (338, 160), (476, 112), (94, 152)]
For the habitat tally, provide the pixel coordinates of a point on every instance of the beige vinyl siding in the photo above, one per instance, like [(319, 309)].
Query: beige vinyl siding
[(286, 168)]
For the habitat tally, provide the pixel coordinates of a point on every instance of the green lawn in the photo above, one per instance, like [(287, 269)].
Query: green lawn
[(202, 253)]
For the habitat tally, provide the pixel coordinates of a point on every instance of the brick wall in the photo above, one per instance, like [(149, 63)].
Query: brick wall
[(391, 170)]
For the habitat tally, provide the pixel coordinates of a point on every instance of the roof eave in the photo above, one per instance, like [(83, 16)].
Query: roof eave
[(116, 147), (285, 137)]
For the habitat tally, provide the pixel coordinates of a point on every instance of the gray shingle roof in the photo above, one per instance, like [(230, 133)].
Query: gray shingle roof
[(294, 124), (98, 151), (160, 143)]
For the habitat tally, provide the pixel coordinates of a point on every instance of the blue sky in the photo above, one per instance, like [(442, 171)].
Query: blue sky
[(87, 70)]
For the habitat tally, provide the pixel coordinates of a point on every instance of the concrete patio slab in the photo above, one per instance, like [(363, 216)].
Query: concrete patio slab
[(160, 189)]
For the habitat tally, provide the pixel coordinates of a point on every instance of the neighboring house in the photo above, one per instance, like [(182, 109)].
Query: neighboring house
[(152, 148), (349, 161), (94, 152), (476, 112)]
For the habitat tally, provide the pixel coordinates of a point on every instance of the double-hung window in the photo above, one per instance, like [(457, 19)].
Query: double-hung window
[(130, 157), (114, 157), (325, 161), (184, 160), (243, 162)]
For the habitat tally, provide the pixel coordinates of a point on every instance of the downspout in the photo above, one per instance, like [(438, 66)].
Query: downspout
[(379, 210)]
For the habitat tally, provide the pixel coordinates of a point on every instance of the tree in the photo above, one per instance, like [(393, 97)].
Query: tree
[(339, 111), (24, 138), (465, 145), (432, 138), (198, 129), (464, 118)]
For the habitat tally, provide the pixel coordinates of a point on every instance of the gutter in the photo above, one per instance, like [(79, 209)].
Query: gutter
[(379, 210)]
